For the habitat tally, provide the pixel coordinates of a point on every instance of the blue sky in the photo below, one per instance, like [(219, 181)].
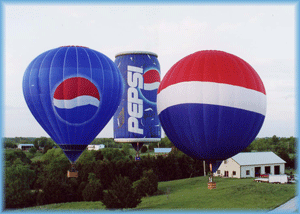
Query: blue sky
[(262, 35)]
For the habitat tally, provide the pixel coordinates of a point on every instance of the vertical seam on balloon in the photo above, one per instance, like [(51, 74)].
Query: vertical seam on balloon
[(91, 71), (249, 136), (68, 134), (254, 80), (79, 97), (219, 109), (29, 78), (194, 142), (40, 120), (50, 126), (100, 105), (61, 138), (236, 62), (203, 107)]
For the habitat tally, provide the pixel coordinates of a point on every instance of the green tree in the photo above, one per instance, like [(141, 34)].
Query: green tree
[(18, 179), (80, 189), (36, 143), (93, 190), (12, 155), (147, 185), (32, 150), (112, 154), (53, 179), (98, 155), (10, 144), (126, 148), (121, 194), (144, 149)]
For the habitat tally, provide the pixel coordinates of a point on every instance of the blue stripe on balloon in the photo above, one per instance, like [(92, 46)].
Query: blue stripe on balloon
[(80, 114), (210, 132)]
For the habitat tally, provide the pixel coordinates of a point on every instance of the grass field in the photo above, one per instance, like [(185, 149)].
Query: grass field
[(192, 194)]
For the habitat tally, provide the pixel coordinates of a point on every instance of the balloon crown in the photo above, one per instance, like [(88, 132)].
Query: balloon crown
[(73, 46)]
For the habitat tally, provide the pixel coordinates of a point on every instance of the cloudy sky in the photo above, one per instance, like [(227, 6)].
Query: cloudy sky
[(262, 35)]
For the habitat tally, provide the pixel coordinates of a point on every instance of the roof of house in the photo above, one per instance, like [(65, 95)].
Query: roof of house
[(25, 144), (257, 158), (162, 150)]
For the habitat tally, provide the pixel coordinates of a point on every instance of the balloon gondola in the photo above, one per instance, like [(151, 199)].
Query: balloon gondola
[(72, 91), (211, 105)]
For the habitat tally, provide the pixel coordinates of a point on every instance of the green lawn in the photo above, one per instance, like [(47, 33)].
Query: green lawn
[(230, 194), (192, 194)]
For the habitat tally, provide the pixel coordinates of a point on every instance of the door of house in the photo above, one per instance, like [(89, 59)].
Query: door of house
[(277, 170), (267, 169), (257, 171)]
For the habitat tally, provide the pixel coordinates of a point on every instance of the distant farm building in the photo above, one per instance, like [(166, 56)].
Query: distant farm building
[(96, 147), (251, 164), (25, 146), (162, 151)]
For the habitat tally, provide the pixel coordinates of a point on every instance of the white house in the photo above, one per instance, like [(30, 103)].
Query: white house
[(96, 147), (162, 151), (25, 146), (251, 164)]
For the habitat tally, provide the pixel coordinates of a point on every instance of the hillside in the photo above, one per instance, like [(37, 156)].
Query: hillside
[(192, 194)]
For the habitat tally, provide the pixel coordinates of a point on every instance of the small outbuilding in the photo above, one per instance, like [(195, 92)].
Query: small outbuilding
[(96, 147), (25, 146), (162, 151), (251, 164)]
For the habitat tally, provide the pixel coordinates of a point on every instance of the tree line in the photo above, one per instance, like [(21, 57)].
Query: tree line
[(107, 173), (285, 148), (102, 173)]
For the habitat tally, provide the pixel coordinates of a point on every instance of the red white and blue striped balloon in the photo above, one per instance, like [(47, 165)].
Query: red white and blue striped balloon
[(211, 105)]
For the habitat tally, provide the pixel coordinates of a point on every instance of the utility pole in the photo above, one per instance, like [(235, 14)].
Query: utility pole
[(204, 168)]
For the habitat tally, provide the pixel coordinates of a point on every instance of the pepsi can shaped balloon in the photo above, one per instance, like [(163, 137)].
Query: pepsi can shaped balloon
[(136, 118)]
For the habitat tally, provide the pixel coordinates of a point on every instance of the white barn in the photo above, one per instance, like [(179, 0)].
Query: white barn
[(25, 146), (96, 147), (251, 164)]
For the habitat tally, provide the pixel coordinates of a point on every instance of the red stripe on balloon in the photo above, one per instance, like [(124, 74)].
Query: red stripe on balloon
[(75, 87), (213, 66), (151, 76)]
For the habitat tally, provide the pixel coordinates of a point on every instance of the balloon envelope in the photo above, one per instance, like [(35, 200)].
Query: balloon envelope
[(136, 118), (211, 105), (72, 92)]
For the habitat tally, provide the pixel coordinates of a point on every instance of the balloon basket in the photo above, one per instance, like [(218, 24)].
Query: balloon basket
[(211, 185), (72, 174)]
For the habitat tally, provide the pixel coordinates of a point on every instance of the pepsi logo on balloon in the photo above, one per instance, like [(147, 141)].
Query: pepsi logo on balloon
[(151, 83), (76, 95)]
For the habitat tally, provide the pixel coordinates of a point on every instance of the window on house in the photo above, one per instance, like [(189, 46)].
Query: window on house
[(225, 161), (267, 170), (218, 172), (233, 172), (247, 172)]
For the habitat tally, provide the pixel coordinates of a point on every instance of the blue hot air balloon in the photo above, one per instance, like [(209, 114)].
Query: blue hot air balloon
[(211, 105), (73, 92)]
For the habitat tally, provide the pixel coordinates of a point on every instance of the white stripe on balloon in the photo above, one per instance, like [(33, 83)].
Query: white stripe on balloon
[(212, 93), (78, 101)]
